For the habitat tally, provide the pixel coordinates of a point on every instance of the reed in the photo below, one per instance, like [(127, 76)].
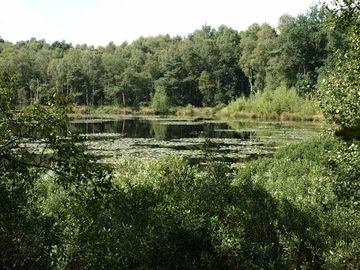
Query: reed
[(282, 104)]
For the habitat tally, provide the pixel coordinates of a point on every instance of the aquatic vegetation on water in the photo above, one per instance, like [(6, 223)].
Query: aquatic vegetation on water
[(233, 141)]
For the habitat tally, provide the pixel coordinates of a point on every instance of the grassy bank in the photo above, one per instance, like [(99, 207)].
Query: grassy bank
[(188, 111), (280, 105)]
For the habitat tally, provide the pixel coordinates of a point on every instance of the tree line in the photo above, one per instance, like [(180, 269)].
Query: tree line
[(207, 67)]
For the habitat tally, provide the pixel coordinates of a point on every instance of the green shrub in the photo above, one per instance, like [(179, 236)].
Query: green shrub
[(272, 104), (276, 213), (314, 229), (237, 105), (159, 101)]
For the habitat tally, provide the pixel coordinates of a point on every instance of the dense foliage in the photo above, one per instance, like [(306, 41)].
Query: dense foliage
[(339, 96), (206, 68), (36, 144), (338, 93), (279, 213)]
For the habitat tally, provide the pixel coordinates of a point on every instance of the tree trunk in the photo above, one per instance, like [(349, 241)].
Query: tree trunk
[(123, 97), (251, 82)]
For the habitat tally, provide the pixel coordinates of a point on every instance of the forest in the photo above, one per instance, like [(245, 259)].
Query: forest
[(206, 68), (298, 209)]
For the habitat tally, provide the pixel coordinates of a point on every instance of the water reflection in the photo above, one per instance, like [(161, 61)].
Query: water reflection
[(139, 128), (234, 141)]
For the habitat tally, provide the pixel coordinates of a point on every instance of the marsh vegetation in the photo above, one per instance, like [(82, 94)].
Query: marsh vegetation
[(231, 140)]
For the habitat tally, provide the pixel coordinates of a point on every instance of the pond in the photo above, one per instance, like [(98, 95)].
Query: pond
[(234, 141)]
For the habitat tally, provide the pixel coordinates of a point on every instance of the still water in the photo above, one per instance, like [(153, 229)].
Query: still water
[(231, 140), (160, 129)]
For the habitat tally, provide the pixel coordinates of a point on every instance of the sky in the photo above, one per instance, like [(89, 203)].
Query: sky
[(98, 22)]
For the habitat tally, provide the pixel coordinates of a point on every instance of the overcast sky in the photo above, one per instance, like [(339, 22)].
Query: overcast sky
[(97, 22)]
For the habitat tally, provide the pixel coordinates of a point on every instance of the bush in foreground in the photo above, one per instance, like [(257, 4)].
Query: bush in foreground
[(279, 213)]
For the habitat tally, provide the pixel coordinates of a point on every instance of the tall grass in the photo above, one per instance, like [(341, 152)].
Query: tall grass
[(281, 104), (78, 111)]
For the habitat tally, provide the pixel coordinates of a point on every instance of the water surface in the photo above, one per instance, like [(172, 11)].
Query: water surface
[(235, 141)]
